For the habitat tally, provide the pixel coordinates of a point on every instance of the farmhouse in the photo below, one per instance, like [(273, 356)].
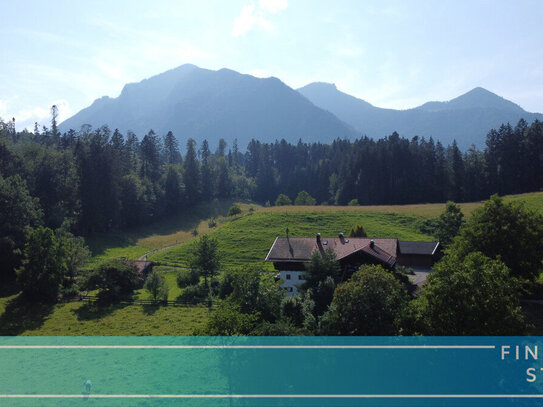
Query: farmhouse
[(290, 254)]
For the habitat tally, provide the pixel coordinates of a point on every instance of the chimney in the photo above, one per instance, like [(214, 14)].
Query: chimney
[(372, 243), (318, 238), (341, 237)]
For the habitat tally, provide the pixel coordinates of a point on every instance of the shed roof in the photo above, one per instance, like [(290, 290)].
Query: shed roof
[(424, 248)]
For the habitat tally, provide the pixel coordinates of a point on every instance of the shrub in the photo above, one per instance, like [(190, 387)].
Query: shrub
[(353, 202), (212, 223), (187, 277), (234, 210), (115, 279), (358, 231), (283, 200), (304, 198), (194, 294)]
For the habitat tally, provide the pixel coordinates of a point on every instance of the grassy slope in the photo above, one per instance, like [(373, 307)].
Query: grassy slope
[(247, 240), (177, 229)]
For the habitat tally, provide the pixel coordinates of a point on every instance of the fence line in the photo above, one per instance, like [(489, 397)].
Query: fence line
[(93, 298)]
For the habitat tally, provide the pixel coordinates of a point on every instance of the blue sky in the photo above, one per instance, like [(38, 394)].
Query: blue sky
[(396, 54)]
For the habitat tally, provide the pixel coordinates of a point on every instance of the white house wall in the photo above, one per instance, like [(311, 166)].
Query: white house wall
[(291, 281)]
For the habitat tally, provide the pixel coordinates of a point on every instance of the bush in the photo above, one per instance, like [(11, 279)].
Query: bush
[(353, 202), (228, 320), (304, 198), (283, 200), (194, 294), (234, 210), (358, 231), (115, 279), (187, 277), (212, 223)]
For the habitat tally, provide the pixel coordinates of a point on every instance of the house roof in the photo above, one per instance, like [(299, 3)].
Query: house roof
[(424, 248), (300, 249)]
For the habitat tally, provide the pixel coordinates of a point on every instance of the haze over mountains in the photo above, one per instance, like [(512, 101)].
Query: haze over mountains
[(205, 104), (467, 118)]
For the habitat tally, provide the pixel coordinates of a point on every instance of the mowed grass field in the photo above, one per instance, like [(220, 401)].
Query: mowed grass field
[(247, 240)]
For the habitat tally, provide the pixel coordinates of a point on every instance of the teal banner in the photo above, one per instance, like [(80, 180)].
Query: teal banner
[(271, 371)]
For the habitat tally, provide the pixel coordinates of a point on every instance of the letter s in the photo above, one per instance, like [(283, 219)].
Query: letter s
[(530, 372)]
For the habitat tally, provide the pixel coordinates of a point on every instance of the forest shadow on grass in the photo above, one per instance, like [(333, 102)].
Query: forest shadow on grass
[(188, 220), (21, 315), (7, 289), (97, 310)]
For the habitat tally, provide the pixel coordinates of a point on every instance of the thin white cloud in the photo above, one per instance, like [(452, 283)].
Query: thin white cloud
[(273, 6), (252, 16)]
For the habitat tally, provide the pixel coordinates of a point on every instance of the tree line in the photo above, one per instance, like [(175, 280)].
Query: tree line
[(98, 180)]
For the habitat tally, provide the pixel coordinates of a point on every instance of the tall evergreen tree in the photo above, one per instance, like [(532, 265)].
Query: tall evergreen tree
[(191, 174)]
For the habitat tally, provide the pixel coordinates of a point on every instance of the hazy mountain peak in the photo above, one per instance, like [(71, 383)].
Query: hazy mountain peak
[(206, 104), (467, 118), (477, 98)]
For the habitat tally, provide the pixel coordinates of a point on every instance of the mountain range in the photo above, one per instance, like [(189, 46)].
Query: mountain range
[(466, 119), (205, 104)]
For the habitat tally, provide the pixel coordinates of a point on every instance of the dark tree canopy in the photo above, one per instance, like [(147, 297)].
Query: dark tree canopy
[(449, 223), (44, 265), (371, 302), (505, 231), (471, 296)]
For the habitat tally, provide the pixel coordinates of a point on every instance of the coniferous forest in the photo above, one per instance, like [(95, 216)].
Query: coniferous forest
[(97, 180)]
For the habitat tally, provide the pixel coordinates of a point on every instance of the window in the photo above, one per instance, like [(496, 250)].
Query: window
[(288, 276), (300, 277)]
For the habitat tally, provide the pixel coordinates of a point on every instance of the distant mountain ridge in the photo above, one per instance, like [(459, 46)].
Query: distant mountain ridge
[(204, 104), (466, 119)]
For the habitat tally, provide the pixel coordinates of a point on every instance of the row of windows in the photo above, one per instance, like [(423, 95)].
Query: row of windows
[(299, 277)]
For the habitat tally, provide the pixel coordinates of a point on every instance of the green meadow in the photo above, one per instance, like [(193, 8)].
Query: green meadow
[(247, 240)]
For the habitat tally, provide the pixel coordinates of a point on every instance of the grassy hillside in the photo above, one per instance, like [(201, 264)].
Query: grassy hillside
[(247, 240), (179, 229), (174, 230)]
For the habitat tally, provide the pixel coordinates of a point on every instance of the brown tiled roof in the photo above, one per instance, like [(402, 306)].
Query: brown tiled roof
[(300, 249)]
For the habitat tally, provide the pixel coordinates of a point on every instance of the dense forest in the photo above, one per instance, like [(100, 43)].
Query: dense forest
[(99, 180)]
